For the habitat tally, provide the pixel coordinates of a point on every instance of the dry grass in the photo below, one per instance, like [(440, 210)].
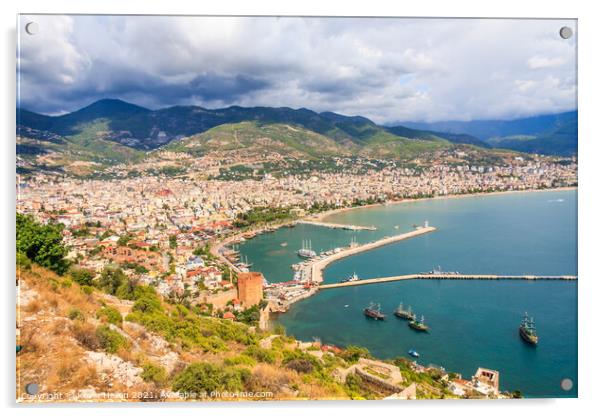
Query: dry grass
[(270, 378), (34, 306), (85, 334), (54, 346)]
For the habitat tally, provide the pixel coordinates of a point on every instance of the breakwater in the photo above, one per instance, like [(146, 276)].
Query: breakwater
[(443, 276), (317, 267)]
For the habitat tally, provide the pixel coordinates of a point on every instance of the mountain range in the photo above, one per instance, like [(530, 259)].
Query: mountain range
[(552, 134), (112, 131)]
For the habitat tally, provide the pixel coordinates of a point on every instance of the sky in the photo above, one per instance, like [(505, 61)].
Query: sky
[(387, 69)]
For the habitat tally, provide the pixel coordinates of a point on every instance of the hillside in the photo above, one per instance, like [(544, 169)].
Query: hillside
[(553, 134), (82, 343), (78, 154), (258, 138), (560, 141)]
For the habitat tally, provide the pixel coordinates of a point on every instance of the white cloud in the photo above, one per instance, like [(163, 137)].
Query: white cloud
[(539, 62), (385, 69)]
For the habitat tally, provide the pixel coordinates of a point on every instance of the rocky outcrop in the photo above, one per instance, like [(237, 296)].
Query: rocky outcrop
[(113, 367)]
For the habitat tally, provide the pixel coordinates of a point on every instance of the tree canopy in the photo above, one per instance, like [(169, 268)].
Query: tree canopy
[(41, 243)]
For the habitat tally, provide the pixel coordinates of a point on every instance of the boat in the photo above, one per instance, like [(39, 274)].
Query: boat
[(305, 251), (438, 271), (413, 353), (373, 311), (418, 325), (402, 313), (244, 263), (353, 278), (527, 330), (283, 244)]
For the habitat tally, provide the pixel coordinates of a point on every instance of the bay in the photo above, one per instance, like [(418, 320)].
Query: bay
[(473, 323)]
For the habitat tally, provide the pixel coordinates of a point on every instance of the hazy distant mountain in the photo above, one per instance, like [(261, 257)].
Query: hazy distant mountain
[(546, 134)]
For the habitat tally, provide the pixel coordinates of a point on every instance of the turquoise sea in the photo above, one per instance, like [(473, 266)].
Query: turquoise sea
[(473, 323)]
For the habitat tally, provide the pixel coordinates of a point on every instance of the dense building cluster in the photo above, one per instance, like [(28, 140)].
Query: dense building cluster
[(155, 225)]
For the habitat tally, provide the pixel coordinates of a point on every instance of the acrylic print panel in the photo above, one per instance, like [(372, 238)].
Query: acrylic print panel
[(240, 208)]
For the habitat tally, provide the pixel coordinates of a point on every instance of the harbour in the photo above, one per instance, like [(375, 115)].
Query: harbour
[(473, 321), (350, 227)]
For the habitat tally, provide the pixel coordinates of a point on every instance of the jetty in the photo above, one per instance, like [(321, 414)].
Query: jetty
[(335, 225), (443, 276), (318, 266)]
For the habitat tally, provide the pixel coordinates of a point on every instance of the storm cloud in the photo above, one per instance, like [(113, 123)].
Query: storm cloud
[(387, 69)]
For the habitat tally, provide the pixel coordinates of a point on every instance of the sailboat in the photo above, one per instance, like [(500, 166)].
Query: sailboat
[(527, 330), (305, 251), (402, 313), (418, 325)]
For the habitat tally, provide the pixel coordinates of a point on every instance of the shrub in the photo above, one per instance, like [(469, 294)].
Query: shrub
[(261, 354), (126, 289), (66, 283), (76, 314), (152, 373), (110, 315), (204, 378), (241, 360), (109, 339), (23, 261), (147, 302), (353, 353), (110, 279), (87, 336), (300, 365), (87, 289), (83, 277)]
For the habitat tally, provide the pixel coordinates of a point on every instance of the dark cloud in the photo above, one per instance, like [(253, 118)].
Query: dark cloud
[(386, 69), (213, 86)]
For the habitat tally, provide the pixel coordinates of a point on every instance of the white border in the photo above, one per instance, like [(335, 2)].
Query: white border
[(590, 150)]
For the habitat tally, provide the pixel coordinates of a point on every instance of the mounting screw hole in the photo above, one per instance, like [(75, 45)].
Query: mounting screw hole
[(566, 32)]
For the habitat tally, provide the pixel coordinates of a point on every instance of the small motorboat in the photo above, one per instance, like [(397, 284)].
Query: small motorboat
[(414, 353)]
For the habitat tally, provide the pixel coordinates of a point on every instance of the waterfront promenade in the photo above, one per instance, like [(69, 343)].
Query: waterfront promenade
[(341, 226), (318, 267), (443, 276)]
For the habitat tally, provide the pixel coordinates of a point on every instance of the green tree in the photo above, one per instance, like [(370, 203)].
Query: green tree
[(84, 277), (173, 241), (42, 244), (110, 279)]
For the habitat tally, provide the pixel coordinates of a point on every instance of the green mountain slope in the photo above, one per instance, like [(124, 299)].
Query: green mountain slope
[(144, 129), (81, 154), (290, 141)]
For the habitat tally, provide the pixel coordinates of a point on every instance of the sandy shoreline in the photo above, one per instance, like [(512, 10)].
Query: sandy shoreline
[(320, 217)]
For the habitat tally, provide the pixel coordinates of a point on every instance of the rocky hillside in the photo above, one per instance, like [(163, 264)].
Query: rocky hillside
[(78, 343)]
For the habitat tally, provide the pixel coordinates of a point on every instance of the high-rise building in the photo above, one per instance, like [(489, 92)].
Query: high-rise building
[(250, 288)]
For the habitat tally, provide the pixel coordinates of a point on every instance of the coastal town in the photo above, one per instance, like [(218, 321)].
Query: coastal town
[(173, 232)]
